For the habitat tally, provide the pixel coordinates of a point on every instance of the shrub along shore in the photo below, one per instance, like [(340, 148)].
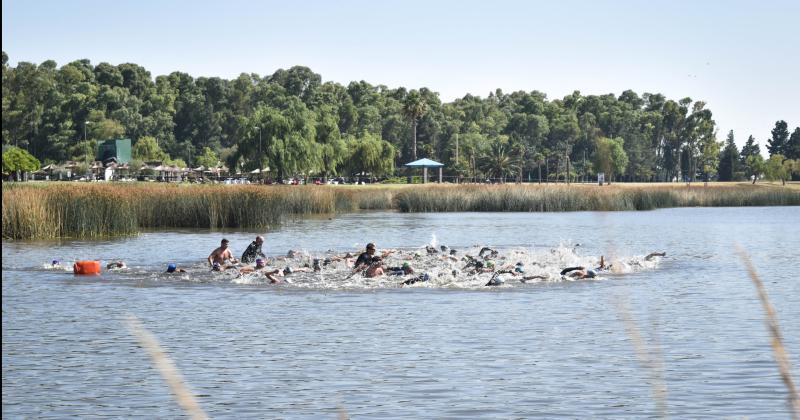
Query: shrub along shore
[(54, 210)]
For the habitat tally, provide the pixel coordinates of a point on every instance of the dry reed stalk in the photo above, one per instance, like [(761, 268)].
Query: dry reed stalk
[(778, 349), (162, 362), (649, 357)]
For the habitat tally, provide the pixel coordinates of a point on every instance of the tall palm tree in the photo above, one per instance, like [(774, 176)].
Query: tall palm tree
[(414, 107), (498, 162), (539, 159)]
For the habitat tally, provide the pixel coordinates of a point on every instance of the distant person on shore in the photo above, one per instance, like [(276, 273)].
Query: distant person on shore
[(253, 251), (173, 268), (221, 255)]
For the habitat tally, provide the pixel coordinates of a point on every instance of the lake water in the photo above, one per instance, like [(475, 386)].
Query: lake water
[(446, 348)]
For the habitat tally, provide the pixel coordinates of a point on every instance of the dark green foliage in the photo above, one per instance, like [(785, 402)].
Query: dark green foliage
[(293, 123), (792, 150), (779, 140), (729, 160)]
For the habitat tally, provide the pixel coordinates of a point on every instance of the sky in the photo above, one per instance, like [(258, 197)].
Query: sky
[(740, 57)]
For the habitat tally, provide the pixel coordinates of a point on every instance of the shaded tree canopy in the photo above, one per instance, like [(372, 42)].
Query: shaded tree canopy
[(295, 123)]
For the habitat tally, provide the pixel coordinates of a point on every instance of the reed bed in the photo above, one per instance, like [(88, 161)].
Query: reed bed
[(523, 198), (61, 210)]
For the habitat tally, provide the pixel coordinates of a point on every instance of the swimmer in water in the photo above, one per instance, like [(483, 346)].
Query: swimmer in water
[(261, 264), (420, 278), (405, 269), (220, 267), (221, 255), (482, 267), (518, 271), (173, 268), (652, 255), (487, 252), (375, 269), (579, 272), (116, 265)]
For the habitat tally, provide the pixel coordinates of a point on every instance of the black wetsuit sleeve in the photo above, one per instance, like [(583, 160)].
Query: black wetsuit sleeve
[(568, 269), (251, 252), (364, 258)]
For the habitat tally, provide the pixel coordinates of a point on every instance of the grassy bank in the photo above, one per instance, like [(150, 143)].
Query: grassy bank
[(535, 198), (58, 210), (95, 210)]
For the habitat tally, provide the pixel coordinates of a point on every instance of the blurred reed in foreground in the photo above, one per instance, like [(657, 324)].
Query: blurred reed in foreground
[(778, 349), (649, 358), (165, 366)]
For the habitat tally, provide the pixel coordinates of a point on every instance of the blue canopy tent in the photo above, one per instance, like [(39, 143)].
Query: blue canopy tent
[(425, 164)]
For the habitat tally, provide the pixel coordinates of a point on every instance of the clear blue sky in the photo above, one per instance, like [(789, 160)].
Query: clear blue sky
[(741, 57)]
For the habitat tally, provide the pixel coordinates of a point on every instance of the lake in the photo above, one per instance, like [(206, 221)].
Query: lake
[(449, 347)]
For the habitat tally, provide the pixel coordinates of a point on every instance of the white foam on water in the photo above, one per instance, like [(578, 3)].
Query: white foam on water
[(444, 271), (57, 267)]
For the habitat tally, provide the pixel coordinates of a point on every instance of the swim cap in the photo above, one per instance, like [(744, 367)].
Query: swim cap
[(406, 265), (216, 265), (519, 269), (288, 270), (172, 267), (490, 264), (260, 261), (55, 262), (426, 277)]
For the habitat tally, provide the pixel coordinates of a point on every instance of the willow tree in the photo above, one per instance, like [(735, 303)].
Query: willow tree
[(333, 149), (370, 154), (288, 136), (610, 156), (17, 161)]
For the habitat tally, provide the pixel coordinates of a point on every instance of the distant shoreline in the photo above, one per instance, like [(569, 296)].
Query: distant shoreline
[(95, 210)]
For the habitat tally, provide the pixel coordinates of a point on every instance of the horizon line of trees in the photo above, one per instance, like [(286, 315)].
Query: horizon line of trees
[(294, 124)]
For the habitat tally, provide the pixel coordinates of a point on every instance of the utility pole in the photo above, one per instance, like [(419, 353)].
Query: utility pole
[(566, 158), (260, 156), (584, 165), (456, 148), (457, 175)]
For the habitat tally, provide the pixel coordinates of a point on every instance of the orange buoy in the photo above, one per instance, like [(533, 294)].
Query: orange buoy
[(86, 267)]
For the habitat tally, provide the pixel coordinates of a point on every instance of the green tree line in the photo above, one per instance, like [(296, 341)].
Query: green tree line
[(293, 123)]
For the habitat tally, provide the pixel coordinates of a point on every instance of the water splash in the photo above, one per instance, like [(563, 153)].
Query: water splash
[(446, 268)]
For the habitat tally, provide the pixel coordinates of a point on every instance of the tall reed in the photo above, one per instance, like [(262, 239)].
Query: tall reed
[(582, 198), (57, 210), (778, 349)]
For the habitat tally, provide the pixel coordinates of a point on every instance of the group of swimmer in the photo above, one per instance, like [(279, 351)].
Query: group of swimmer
[(370, 265)]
